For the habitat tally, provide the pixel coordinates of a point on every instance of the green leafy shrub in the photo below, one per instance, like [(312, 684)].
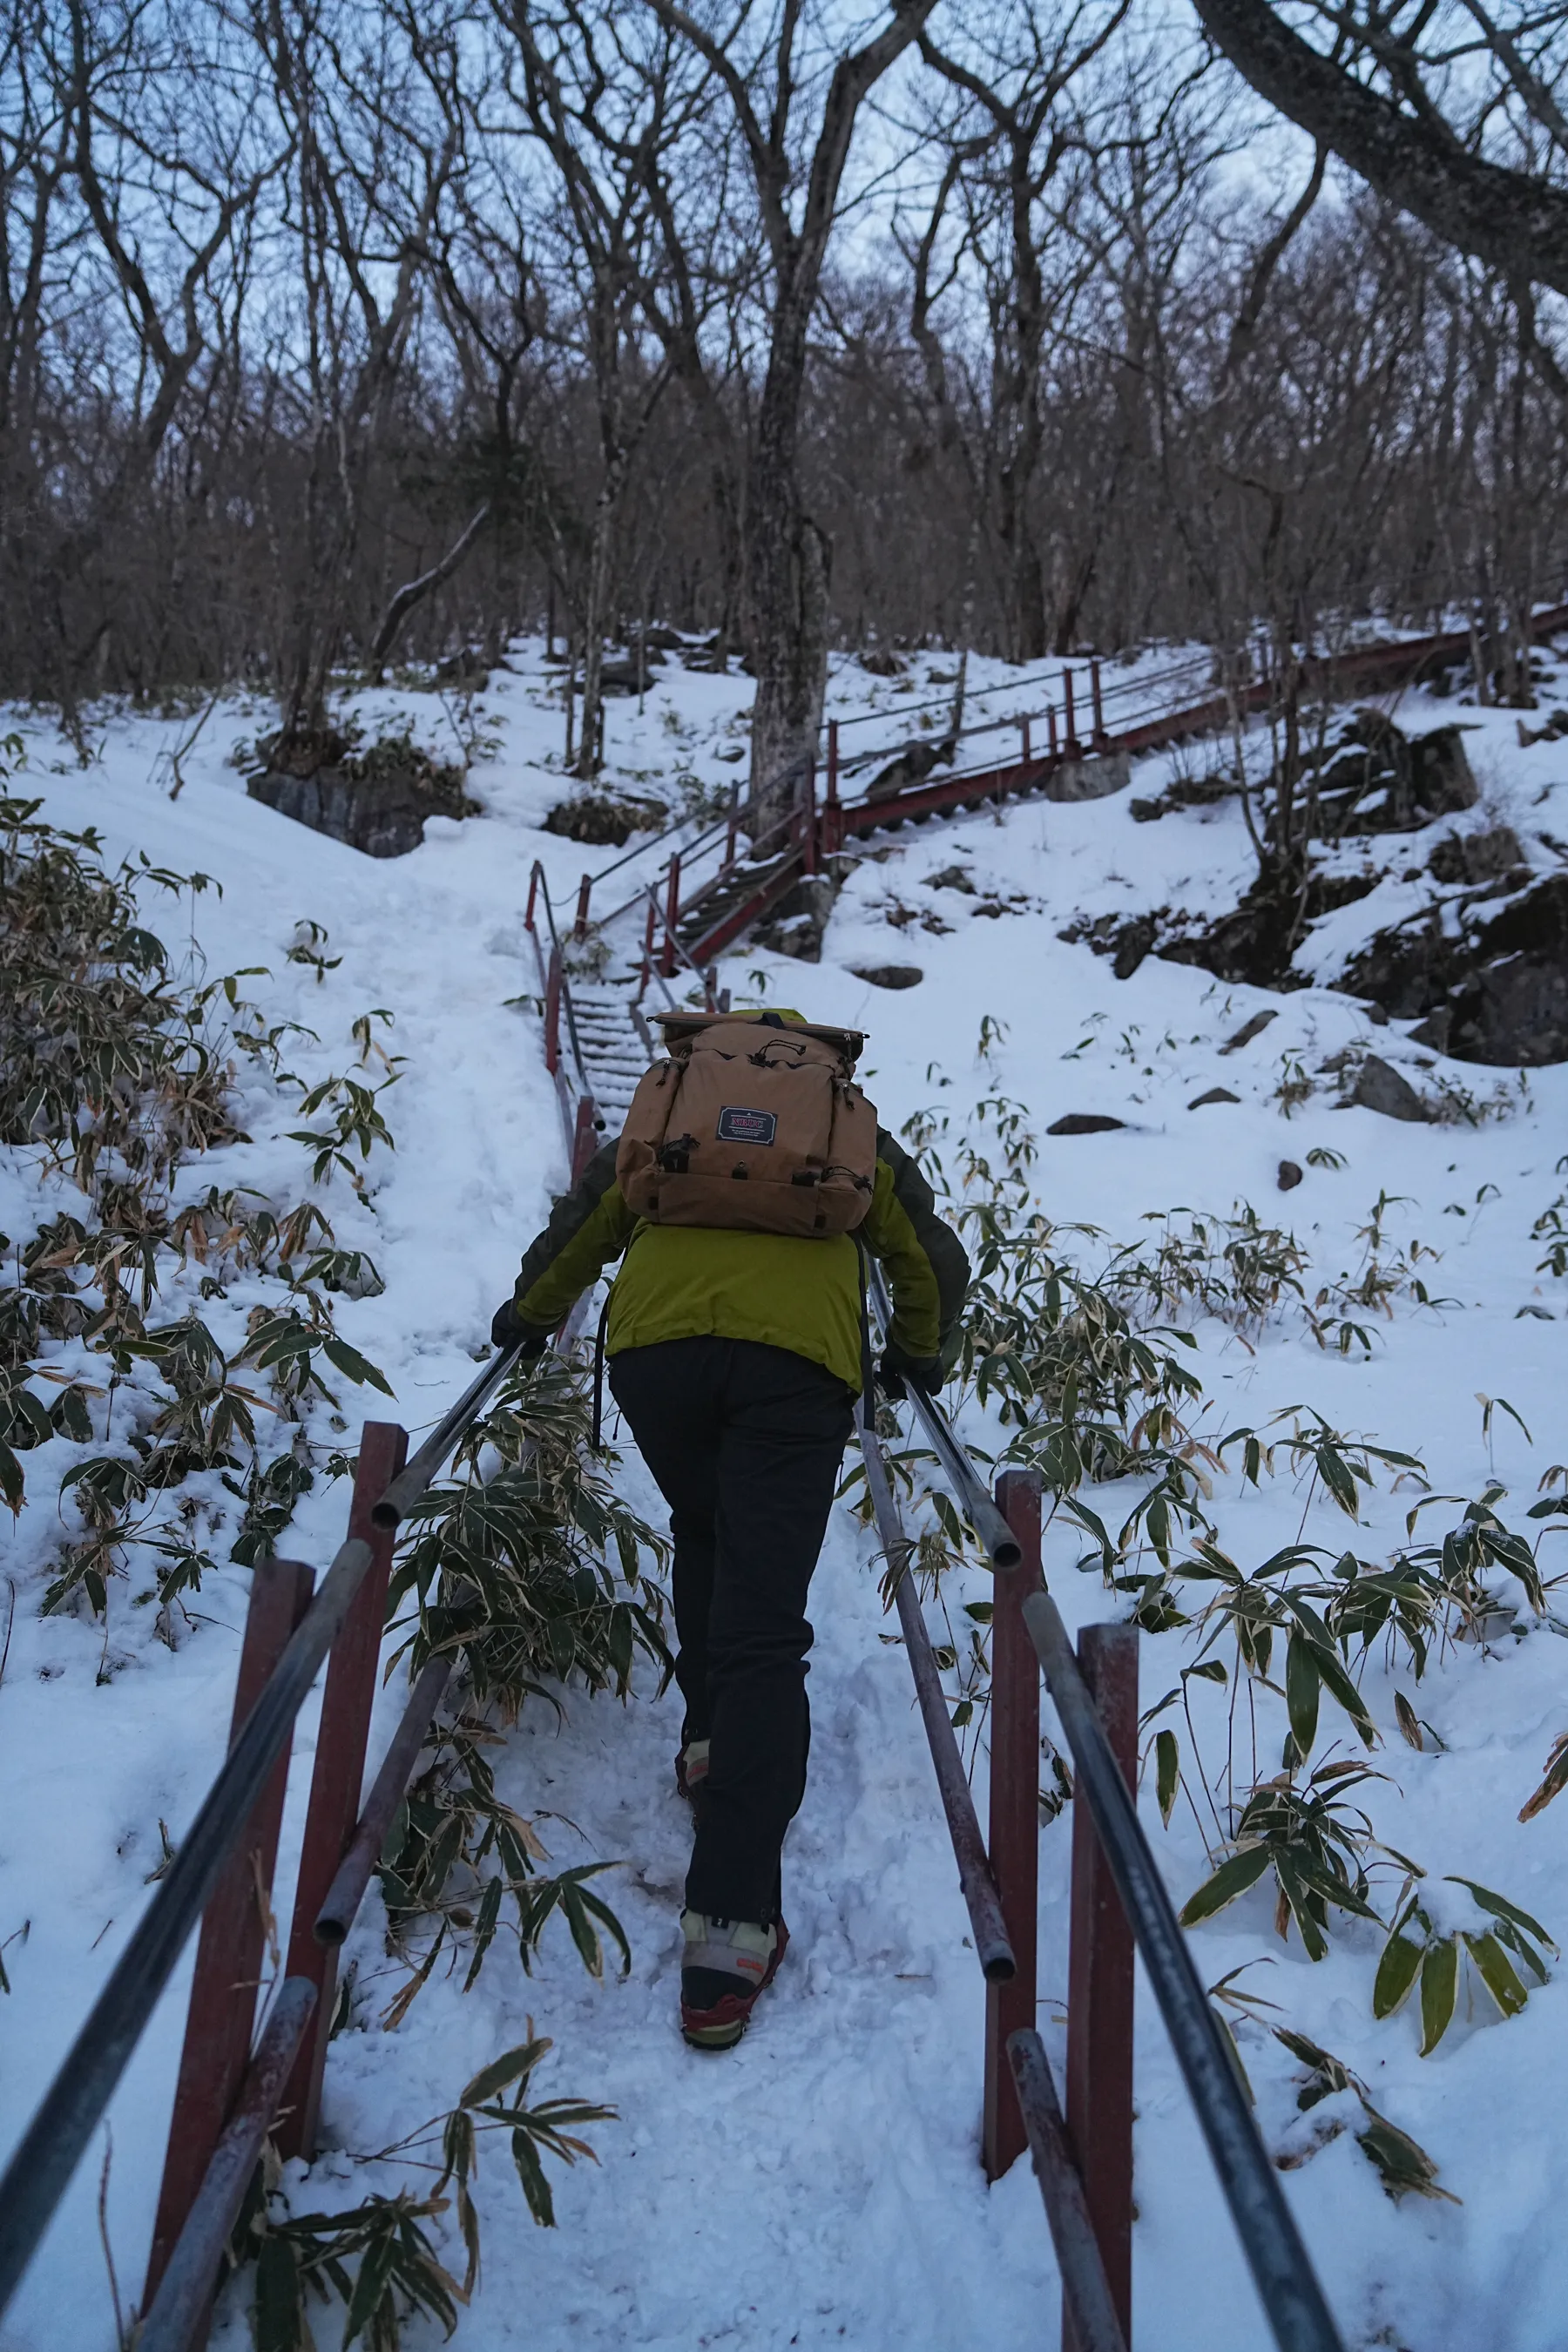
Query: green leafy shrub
[(1418, 1950)]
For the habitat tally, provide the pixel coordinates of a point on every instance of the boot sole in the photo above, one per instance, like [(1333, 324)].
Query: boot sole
[(721, 2027)]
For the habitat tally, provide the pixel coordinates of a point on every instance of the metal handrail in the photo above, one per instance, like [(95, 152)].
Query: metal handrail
[(683, 954), (1281, 2268), (1001, 1545), (993, 1945), (46, 2157)]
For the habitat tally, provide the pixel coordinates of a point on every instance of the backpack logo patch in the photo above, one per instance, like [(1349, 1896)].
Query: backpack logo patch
[(738, 1125)]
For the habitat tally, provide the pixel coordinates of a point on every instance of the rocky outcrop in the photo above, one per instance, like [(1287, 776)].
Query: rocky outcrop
[(376, 801), (1491, 986)]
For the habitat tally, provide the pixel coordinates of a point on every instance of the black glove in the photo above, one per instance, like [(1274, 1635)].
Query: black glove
[(507, 1329), (898, 1373)]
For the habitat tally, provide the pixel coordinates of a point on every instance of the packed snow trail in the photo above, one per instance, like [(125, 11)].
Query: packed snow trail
[(821, 2184)]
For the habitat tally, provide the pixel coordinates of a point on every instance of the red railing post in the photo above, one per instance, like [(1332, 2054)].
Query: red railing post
[(1028, 755), (583, 888), (532, 895), (1052, 721), (1098, 736), (1099, 1987), (1073, 746), (234, 1928), (1015, 1832), (586, 1139), (832, 762), (733, 828), (553, 1014), (338, 1778), (808, 813), (671, 916)]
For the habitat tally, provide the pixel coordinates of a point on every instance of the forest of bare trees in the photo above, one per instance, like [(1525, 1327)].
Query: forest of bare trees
[(340, 333)]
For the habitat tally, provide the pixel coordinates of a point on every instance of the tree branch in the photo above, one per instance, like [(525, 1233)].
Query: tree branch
[(1514, 223)]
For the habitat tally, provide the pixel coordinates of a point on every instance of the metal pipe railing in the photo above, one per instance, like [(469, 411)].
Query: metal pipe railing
[(346, 1893), (1000, 1543), (183, 2298), (1095, 2326), (992, 1943), (1281, 2268), (54, 2142)]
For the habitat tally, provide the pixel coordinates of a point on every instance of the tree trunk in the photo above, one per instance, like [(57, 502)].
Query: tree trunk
[(786, 589), (601, 572)]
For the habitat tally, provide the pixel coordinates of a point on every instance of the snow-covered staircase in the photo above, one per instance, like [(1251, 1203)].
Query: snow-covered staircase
[(614, 1053)]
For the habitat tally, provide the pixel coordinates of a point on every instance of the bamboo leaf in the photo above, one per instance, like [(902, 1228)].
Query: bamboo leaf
[(1396, 1972), (375, 2269), (494, 2078), (1502, 1908), (1230, 1880), (1404, 2164), (1167, 1772), (1439, 1987), (1302, 1688), (355, 1367), (1498, 1973)]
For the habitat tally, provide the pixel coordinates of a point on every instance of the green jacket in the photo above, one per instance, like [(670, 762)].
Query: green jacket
[(684, 1282)]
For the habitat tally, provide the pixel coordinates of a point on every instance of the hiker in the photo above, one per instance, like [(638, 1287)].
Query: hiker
[(749, 1180)]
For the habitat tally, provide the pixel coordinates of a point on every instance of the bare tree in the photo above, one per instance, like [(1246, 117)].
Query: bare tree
[(607, 109), (1386, 99), (786, 549), (1015, 140)]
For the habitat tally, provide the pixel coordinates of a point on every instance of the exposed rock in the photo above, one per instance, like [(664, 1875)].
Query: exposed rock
[(1475, 857), (1376, 778), (626, 676), (604, 818), (1493, 990), (1133, 942), (881, 663), (1289, 1175), (796, 925), (1249, 1030), (1083, 1122), (912, 766), (1252, 943), (1187, 792), (1088, 780), (953, 877), (376, 800), (890, 975), (1214, 1094), (1379, 1086)]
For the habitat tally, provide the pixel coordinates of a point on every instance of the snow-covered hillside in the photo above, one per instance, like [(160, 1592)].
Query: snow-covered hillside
[(821, 2186)]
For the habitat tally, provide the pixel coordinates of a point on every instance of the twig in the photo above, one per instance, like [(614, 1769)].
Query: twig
[(122, 2334)]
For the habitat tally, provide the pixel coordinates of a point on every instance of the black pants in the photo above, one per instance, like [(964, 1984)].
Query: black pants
[(745, 1442)]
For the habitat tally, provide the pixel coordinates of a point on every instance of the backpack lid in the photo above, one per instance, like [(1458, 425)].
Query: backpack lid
[(680, 1028)]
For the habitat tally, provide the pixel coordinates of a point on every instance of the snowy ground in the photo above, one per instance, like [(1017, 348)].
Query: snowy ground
[(821, 2186)]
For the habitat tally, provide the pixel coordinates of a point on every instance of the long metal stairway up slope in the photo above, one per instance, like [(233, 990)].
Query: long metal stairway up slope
[(714, 886)]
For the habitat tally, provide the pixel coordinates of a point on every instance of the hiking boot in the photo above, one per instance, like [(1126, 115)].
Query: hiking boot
[(691, 1770), (726, 1964)]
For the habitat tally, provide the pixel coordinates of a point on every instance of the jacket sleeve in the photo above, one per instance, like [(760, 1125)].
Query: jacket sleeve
[(588, 1227), (928, 1268)]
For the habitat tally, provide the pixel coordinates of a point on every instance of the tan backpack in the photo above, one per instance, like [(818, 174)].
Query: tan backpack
[(752, 1125)]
